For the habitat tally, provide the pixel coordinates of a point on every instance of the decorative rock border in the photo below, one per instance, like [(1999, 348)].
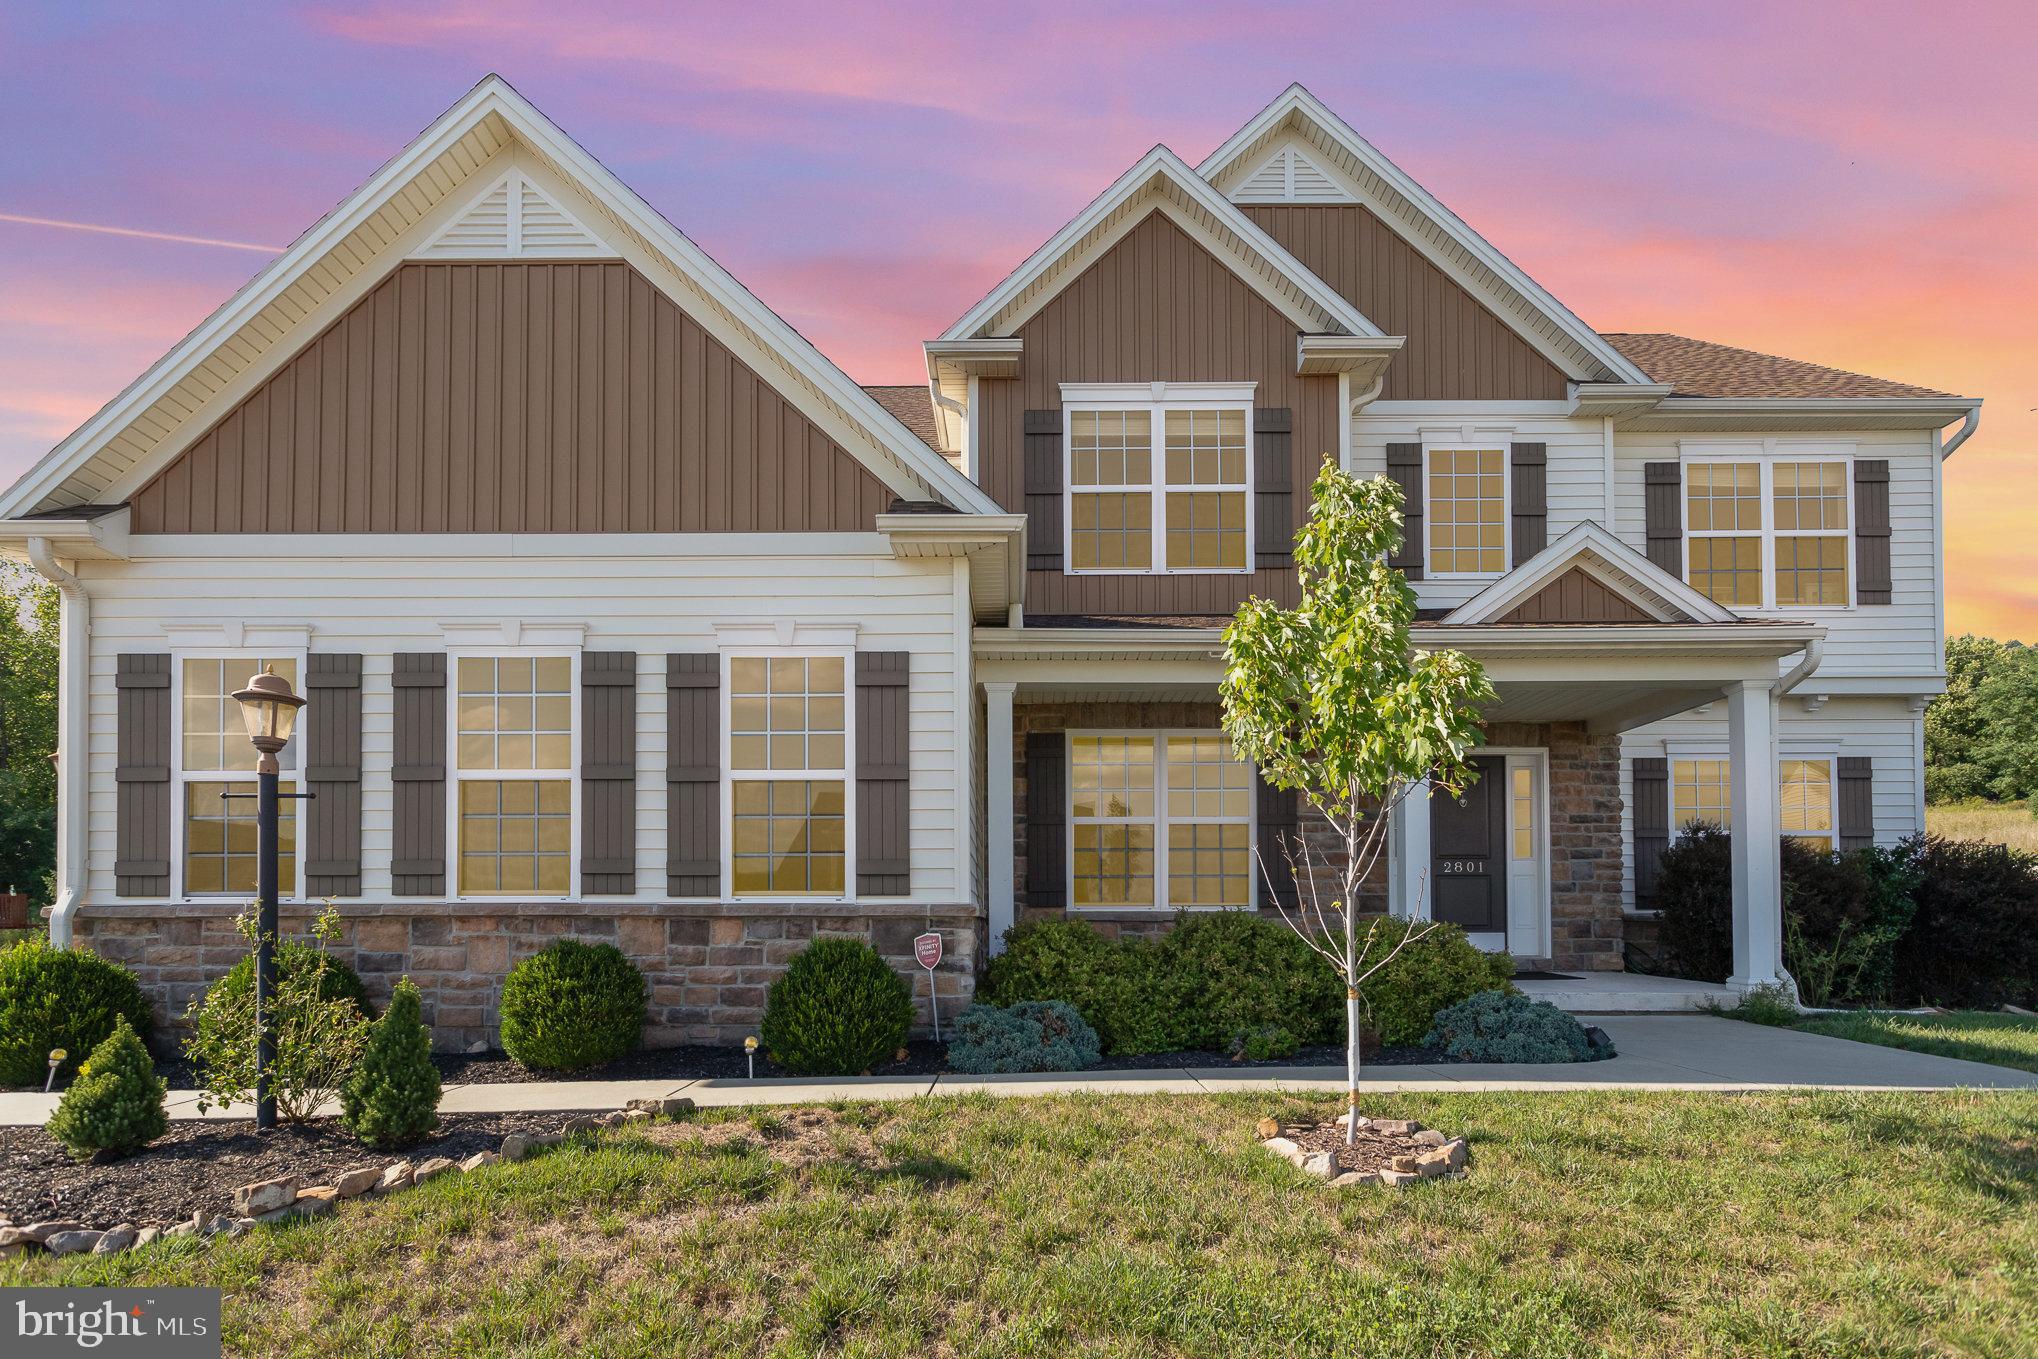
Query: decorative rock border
[(286, 1197), (1431, 1154)]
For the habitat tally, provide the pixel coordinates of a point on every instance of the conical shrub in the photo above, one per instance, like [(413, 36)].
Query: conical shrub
[(116, 1104), (392, 1097)]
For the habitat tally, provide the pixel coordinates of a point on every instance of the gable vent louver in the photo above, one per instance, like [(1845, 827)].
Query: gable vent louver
[(1290, 176), (514, 219)]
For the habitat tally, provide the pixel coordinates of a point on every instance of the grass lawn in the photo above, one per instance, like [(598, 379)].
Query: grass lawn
[(2006, 823), (1605, 1223), (1976, 1035)]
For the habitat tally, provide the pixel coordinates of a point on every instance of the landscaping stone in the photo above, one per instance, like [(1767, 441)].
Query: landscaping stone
[(318, 1201), (1353, 1178), (73, 1242), (1267, 1127), (579, 1123), (355, 1183), (1346, 1117), (16, 1236), (116, 1239), (478, 1160), (666, 1108), (1406, 1165), (638, 1115), (265, 1196), (1284, 1149), (1322, 1165), (1398, 1177), (431, 1169), (41, 1232), (612, 1119), (146, 1236), (1456, 1151), (1429, 1137), (1431, 1164), (181, 1229), (1395, 1127), (241, 1226), (395, 1177)]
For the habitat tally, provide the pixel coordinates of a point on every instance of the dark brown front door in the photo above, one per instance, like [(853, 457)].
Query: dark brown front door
[(1468, 842)]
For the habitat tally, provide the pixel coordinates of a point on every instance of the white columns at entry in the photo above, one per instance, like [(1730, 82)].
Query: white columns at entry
[(1408, 855), (1757, 831), (998, 761)]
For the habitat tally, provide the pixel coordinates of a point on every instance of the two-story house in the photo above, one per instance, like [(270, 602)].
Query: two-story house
[(624, 613)]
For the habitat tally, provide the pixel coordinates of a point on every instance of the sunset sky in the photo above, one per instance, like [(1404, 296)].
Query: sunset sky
[(1789, 177)]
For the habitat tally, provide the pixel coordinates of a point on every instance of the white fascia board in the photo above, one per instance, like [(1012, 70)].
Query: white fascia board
[(1298, 102), (1786, 412), (1576, 549), (1159, 163), (101, 537)]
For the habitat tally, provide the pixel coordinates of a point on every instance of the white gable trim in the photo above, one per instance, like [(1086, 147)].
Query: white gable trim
[(1594, 550), (1175, 189), (513, 218), (1432, 228), (180, 396)]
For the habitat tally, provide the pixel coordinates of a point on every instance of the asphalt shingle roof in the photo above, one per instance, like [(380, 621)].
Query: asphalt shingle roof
[(912, 407), (1702, 368)]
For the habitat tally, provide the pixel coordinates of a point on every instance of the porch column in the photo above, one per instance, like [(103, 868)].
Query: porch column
[(1757, 856), (1002, 828), (1408, 855)]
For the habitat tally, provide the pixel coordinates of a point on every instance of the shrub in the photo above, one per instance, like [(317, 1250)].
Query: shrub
[(116, 1105), (1695, 893), (337, 981), (1496, 1027), (319, 1030), (1231, 971), (837, 1010), (61, 998), (1264, 1044), (1034, 1035), (1438, 970), (1770, 1005), (571, 1006), (392, 1099), (1111, 984), (1973, 942)]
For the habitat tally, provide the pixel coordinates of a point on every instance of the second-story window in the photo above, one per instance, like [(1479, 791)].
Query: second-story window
[(1467, 516), (1160, 486), (1768, 533)]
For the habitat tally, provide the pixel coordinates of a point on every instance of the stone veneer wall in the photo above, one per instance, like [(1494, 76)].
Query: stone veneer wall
[(706, 965)]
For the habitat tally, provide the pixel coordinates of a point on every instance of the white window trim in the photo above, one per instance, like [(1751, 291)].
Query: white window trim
[(1157, 399), (1472, 441), (291, 780), (1766, 455), (1828, 757), (1824, 753), (1161, 822), (455, 775), (730, 776)]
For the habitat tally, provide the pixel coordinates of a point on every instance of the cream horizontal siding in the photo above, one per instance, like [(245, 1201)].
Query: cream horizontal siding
[(381, 605)]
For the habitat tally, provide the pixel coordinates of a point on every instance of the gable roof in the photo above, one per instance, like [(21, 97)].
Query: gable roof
[(1430, 226), (1702, 368), (1161, 181), (1593, 550), (393, 215), (911, 407)]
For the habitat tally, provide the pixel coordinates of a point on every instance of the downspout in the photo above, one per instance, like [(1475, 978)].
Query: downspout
[(1967, 428), (1367, 397), (1814, 652), (74, 764)]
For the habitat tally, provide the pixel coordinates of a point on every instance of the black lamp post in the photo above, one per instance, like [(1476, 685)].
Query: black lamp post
[(269, 707)]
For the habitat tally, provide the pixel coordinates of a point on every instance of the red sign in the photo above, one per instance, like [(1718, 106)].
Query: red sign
[(927, 948)]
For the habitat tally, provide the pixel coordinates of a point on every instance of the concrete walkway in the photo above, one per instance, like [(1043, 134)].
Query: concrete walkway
[(1657, 1052)]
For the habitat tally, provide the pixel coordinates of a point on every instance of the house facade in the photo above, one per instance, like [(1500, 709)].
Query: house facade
[(624, 614)]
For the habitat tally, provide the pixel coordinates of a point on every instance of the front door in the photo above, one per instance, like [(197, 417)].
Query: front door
[(1468, 842)]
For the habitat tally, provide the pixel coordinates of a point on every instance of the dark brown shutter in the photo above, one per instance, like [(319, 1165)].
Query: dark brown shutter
[(1279, 835), (1044, 490), (1856, 796), (141, 773), (693, 774), (1531, 511), (1651, 824), (1047, 819), (608, 773), (1662, 489), (418, 840), (1274, 487), (883, 780), (332, 818), (1871, 531), (1404, 465)]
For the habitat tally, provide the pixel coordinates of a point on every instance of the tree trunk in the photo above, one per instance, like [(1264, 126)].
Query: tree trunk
[(1351, 1032)]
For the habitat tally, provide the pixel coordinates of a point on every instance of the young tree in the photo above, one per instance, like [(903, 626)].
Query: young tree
[(1330, 699)]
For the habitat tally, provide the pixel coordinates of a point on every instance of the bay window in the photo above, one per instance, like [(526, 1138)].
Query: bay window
[(1183, 511), (1159, 820)]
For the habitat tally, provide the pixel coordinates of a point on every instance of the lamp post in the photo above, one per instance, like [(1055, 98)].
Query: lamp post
[(269, 707)]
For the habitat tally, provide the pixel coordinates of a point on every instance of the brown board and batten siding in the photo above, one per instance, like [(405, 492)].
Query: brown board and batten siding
[(502, 397), (1156, 307), (1457, 349)]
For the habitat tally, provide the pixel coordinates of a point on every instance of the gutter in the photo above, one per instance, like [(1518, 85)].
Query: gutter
[(1814, 652), (1968, 426), (74, 632)]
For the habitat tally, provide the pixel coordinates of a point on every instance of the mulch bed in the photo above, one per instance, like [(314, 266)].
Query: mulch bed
[(197, 1165), (1370, 1149)]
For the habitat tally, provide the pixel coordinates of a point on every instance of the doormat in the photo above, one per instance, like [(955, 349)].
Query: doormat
[(1532, 974)]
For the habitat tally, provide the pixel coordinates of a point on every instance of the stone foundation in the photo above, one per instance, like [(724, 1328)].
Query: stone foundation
[(706, 965)]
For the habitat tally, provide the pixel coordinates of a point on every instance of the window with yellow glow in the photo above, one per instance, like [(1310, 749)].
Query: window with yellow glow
[(1159, 820), (788, 761), (1701, 790), (1805, 789), (1810, 501), (216, 760), (1111, 490), (1769, 534), (1205, 491), (513, 762), (1160, 487), (1522, 793), (1467, 511), (1723, 527)]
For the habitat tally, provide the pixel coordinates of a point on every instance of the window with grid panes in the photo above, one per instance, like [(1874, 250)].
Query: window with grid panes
[(513, 764), (1772, 533), (1701, 790), (1809, 500), (1805, 801), (215, 759), (1467, 515), (1723, 531), (1111, 490), (1205, 494), (788, 779), (1159, 820), (1186, 511)]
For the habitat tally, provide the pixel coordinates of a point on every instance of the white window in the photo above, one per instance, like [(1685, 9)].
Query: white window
[(513, 756), (1159, 820), (215, 779), (1769, 532), (786, 720), (1466, 514), (1805, 790), (1702, 789), (1159, 484)]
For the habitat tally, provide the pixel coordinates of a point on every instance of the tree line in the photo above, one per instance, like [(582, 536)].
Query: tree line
[(1981, 735), (28, 733)]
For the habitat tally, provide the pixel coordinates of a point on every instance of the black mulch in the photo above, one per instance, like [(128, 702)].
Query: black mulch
[(197, 1165)]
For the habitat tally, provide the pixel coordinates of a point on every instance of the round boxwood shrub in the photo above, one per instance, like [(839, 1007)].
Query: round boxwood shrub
[(1435, 972), (1496, 1027), (572, 1006), (340, 982), (61, 998), (1034, 1035), (837, 1010)]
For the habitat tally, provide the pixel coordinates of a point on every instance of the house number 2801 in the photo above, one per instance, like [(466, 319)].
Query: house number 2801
[(1462, 866)]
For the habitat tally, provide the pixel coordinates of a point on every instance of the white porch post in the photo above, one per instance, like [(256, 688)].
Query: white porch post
[(1408, 855), (1000, 832), (1757, 857)]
